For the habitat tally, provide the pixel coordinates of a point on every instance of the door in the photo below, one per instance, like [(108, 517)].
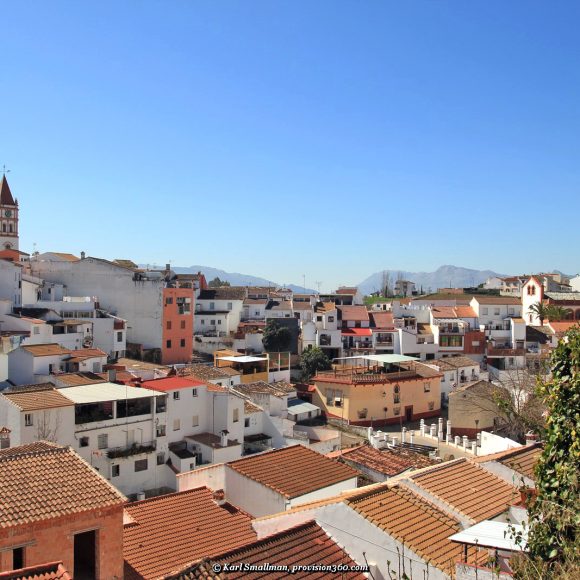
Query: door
[(409, 413), (85, 556)]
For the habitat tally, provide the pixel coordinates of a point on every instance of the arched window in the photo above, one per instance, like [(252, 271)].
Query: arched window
[(10, 228), (7, 246), (3, 226)]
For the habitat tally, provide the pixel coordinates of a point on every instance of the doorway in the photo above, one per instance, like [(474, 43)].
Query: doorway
[(409, 414), (85, 556)]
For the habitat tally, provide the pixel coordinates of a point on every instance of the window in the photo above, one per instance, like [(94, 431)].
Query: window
[(203, 322), (92, 412), (212, 322), (195, 421), (426, 387), (431, 405), (194, 392), (28, 420), (319, 319), (182, 324), (230, 305), (212, 305), (168, 325), (496, 311), (36, 330), (83, 442), (246, 422), (119, 337), (103, 441), (160, 458), (219, 321), (236, 417), (396, 398), (484, 311), (161, 404), (168, 344), (511, 310), (18, 558), (141, 465), (329, 397), (160, 431), (133, 407), (176, 424), (331, 319), (115, 470), (168, 301), (182, 342), (397, 411)]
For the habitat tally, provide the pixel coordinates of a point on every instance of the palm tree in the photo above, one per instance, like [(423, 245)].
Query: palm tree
[(557, 313), (541, 310)]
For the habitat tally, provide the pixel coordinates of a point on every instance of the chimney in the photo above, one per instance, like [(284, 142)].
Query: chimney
[(224, 438), (219, 496), (167, 267), (82, 255), (531, 438), (112, 375)]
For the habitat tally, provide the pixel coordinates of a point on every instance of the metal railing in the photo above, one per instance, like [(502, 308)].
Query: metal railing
[(133, 449)]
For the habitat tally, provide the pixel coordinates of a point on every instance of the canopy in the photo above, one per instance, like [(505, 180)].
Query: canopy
[(382, 358), (489, 534), (243, 358)]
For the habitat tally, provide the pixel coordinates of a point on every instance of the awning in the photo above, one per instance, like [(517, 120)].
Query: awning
[(357, 332), (243, 358), (490, 534), (382, 358)]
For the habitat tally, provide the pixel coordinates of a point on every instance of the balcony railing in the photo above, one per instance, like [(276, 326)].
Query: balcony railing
[(355, 376), (133, 449), (499, 351)]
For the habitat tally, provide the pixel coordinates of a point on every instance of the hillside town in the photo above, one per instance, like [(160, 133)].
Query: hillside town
[(158, 425)]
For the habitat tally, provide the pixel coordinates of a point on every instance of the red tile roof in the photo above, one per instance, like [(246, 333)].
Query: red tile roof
[(522, 460), (52, 349), (172, 383), (453, 312), (468, 488), (303, 545), (49, 571), (293, 471), (356, 332), (389, 462), (42, 481), (43, 397), (381, 319), (5, 193), (173, 531), (356, 313)]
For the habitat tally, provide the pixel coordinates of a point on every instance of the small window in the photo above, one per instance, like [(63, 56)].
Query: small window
[(236, 417), (195, 421), (319, 319), (484, 311), (103, 441), (18, 558), (202, 322), (431, 405), (182, 342), (168, 325), (397, 411), (496, 312), (426, 387), (176, 395), (84, 442), (396, 398), (28, 420), (168, 301), (119, 337), (36, 330), (219, 322), (246, 422), (212, 305), (183, 325), (141, 465), (230, 305), (160, 458), (168, 344), (212, 322), (115, 470), (176, 424), (160, 431), (194, 392)]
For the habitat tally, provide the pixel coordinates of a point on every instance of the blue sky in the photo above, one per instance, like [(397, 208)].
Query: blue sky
[(328, 138)]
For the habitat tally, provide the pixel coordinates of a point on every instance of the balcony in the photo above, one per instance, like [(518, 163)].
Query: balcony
[(454, 330), (505, 351), (133, 449), (360, 375)]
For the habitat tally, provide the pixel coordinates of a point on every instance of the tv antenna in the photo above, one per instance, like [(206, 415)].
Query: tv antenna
[(4, 170)]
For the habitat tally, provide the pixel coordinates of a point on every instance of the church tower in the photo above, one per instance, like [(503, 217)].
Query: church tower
[(8, 218)]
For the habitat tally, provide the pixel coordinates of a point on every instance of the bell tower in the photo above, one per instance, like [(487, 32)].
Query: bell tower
[(8, 218)]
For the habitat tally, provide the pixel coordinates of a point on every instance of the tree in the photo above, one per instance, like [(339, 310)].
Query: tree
[(312, 360), (557, 313), (216, 283), (554, 541), (541, 310), (276, 337)]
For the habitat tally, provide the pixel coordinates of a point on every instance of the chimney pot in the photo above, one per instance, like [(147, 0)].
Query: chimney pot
[(82, 255)]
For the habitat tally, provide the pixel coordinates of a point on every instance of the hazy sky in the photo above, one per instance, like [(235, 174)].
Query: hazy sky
[(327, 138)]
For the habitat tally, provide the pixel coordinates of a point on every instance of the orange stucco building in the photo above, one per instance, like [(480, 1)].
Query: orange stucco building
[(178, 309)]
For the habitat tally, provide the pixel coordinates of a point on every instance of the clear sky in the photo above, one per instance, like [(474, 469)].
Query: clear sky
[(327, 138)]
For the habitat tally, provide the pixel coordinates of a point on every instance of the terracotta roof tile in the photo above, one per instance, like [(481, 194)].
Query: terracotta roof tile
[(224, 293), (76, 379), (205, 372), (389, 462), (173, 531), (85, 353), (453, 312), (259, 387), (172, 383), (382, 320), (468, 488), (412, 521), (49, 571), (293, 471), (46, 349), (250, 408), (522, 460), (43, 480), (306, 544), (357, 313), (33, 399)]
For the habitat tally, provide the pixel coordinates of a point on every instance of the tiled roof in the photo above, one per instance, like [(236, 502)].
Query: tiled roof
[(85, 353), (498, 300), (66, 257), (357, 313), (223, 293), (563, 326), (46, 349), (381, 319), (293, 471), (259, 387), (523, 459), (250, 408), (388, 461), (132, 365), (454, 362), (306, 544), (172, 383), (43, 397), (412, 521), (321, 307), (42, 481), (541, 334), (349, 290), (563, 296), (49, 571), (468, 488), (173, 531), (205, 372), (284, 386), (211, 388), (120, 376), (453, 312)]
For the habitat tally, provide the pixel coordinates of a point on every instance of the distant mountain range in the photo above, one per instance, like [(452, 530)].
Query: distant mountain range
[(443, 277), (235, 278)]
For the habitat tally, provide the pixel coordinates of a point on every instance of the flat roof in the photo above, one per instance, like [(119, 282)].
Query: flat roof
[(490, 534), (101, 392), (384, 358), (302, 407)]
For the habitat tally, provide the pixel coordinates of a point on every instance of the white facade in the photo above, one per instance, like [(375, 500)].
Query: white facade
[(10, 282)]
